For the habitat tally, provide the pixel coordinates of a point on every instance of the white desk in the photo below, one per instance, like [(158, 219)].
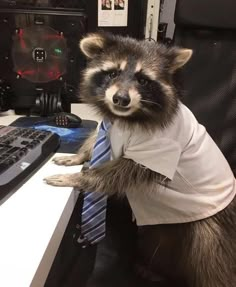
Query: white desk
[(33, 221)]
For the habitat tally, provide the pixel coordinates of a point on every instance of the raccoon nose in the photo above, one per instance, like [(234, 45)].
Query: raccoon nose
[(121, 100)]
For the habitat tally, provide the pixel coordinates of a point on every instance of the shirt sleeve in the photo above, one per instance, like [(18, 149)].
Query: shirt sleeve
[(158, 154)]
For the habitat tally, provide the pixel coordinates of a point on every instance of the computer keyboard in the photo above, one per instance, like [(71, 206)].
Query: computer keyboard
[(22, 150)]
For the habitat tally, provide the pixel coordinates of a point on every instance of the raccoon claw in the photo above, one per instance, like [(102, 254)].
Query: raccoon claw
[(67, 160), (59, 180)]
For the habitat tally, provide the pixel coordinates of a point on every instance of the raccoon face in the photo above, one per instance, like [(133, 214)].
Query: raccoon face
[(130, 80)]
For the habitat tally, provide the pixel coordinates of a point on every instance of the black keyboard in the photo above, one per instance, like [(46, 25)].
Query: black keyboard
[(22, 150)]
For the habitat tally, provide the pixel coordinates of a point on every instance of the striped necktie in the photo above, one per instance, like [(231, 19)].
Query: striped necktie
[(94, 207)]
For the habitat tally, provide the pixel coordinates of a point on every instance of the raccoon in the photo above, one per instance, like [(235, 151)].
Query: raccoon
[(179, 185)]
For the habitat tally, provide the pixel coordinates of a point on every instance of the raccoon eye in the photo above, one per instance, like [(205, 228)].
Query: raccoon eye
[(113, 74), (142, 81)]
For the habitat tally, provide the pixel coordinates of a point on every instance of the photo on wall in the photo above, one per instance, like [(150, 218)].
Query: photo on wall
[(106, 4), (119, 4)]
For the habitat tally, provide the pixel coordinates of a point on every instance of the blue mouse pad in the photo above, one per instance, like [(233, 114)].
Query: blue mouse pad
[(71, 138)]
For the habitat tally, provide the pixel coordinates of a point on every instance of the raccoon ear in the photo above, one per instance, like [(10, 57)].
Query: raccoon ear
[(92, 45), (181, 57)]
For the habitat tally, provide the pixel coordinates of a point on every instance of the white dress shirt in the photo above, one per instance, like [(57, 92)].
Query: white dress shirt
[(201, 180)]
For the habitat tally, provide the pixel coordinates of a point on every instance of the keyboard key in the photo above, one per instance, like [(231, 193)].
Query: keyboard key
[(3, 166)]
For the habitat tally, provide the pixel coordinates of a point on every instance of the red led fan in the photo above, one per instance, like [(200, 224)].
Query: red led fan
[(39, 54)]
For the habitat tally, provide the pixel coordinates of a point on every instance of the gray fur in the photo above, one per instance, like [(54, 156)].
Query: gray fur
[(84, 153), (111, 178), (196, 254)]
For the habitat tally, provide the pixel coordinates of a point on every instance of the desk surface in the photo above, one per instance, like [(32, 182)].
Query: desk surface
[(33, 221)]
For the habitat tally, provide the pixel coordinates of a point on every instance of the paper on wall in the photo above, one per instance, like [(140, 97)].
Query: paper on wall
[(112, 13)]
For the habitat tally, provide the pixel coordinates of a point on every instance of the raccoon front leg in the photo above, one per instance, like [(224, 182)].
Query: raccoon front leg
[(83, 154), (114, 177)]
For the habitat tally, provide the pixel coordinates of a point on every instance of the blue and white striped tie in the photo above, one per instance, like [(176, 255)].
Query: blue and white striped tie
[(93, 222)]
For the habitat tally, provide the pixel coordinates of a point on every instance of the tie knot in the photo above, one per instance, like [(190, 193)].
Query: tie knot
[(105, 125)]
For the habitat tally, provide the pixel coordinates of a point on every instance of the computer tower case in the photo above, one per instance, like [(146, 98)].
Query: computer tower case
[(40, 62)]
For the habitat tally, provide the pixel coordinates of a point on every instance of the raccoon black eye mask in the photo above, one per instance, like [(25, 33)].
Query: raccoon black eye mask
[(178, 183), (128, 102)]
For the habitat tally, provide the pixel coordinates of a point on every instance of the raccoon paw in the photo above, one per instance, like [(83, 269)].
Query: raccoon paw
[(145, 273), (68, 160), (60, 180)]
